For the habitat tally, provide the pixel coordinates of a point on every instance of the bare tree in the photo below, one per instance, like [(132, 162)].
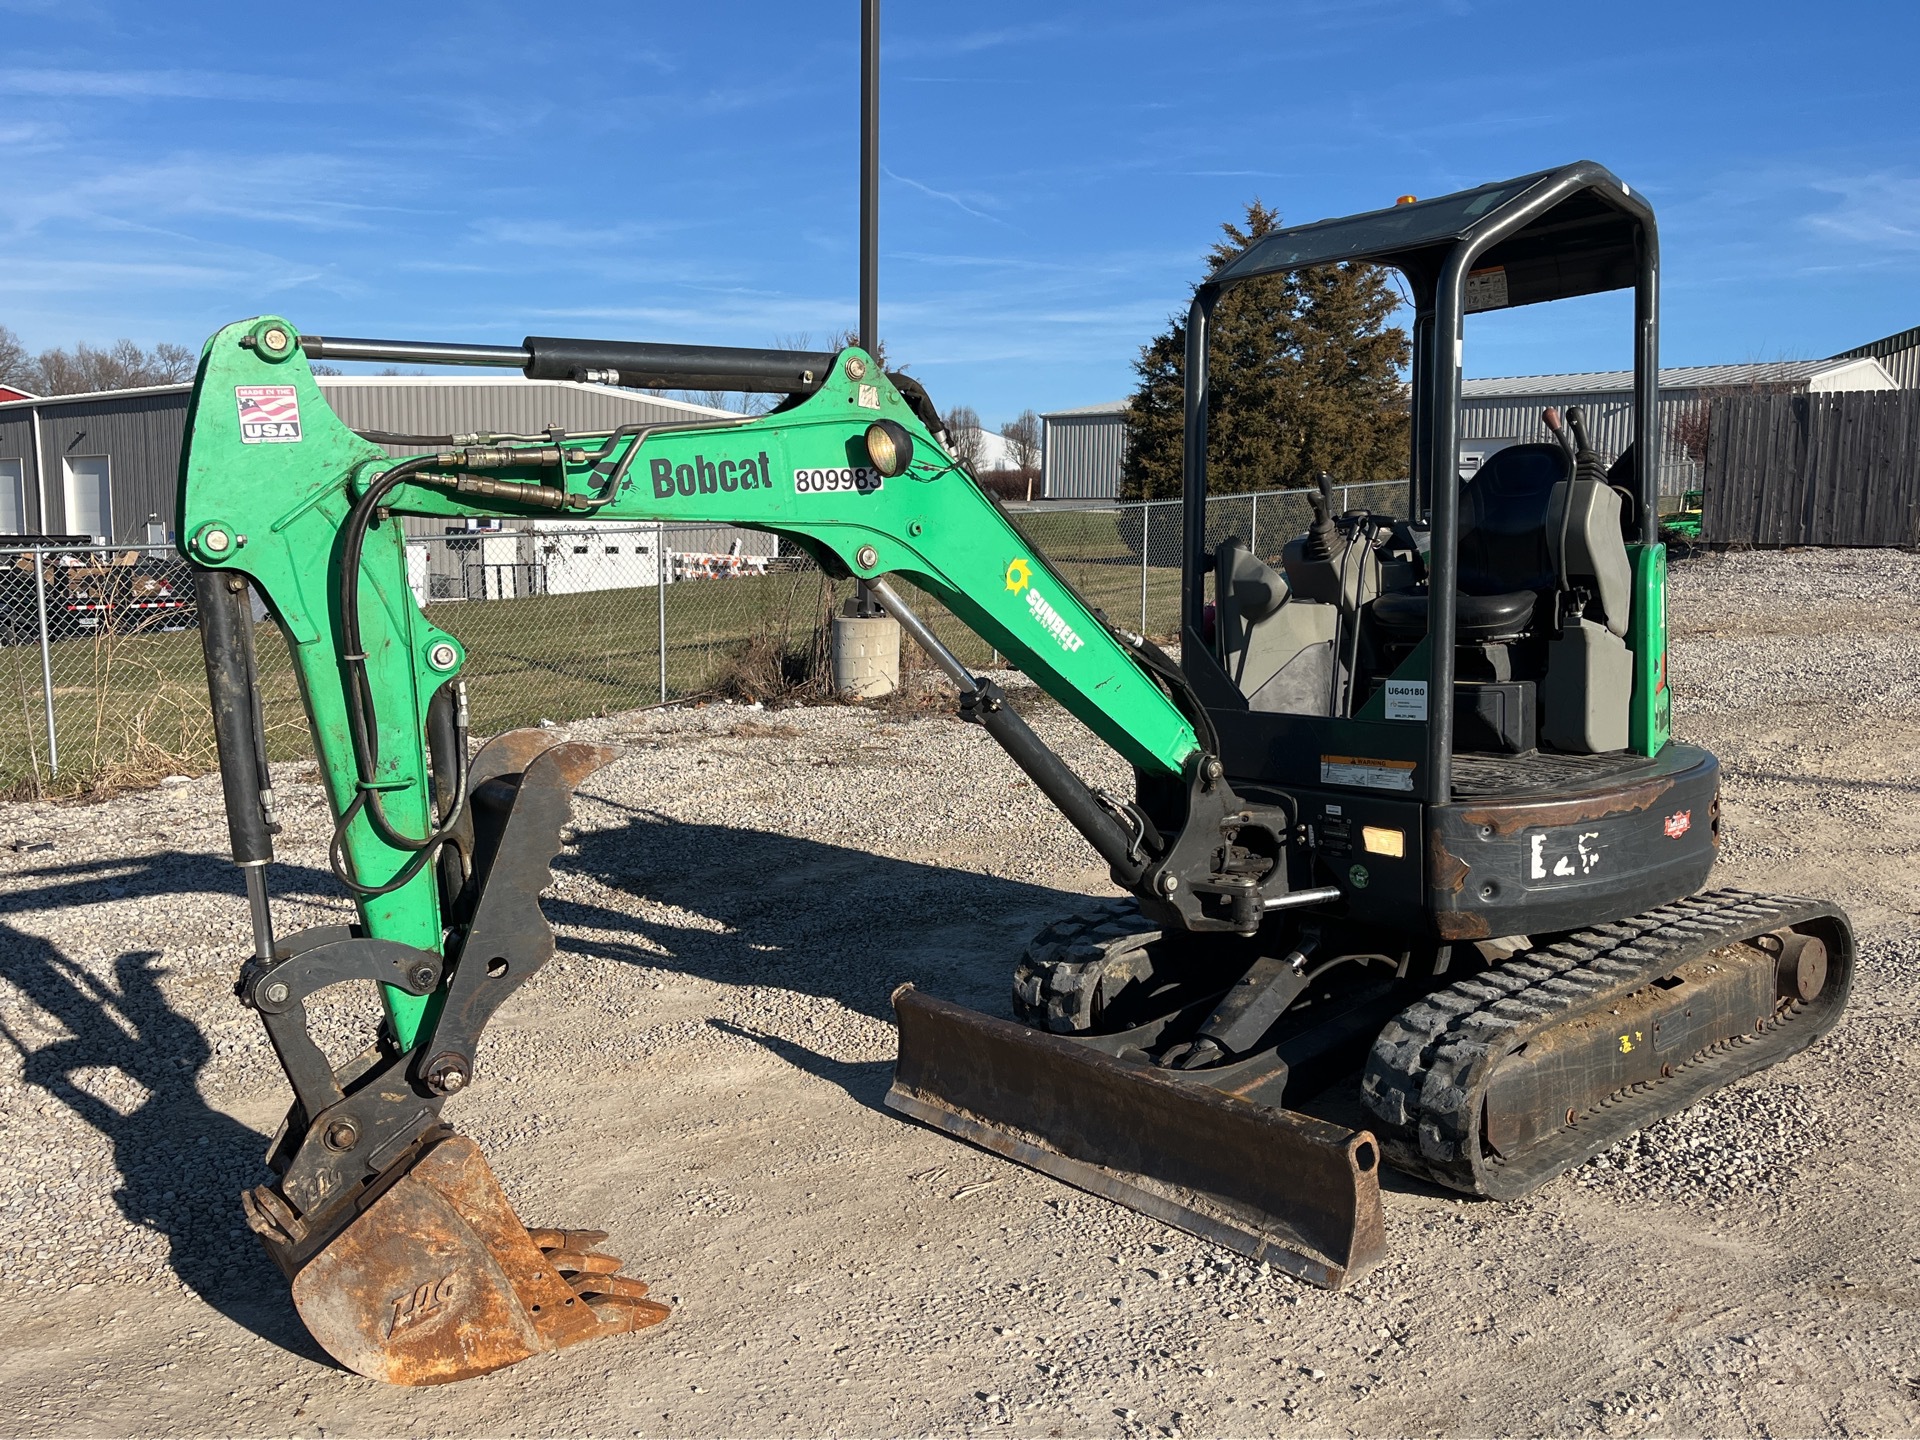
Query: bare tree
[(1024, 438), (121, 366), (16, 366), (963, 434)]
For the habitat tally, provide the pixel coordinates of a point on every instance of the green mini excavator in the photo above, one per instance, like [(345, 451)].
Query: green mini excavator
[(1411, 870)]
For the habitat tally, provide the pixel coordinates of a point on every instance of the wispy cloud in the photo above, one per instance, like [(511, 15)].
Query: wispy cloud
[(119, 84), (1880, 211), (946, 195)]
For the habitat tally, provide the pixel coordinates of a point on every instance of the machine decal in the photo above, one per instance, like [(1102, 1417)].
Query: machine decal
[(1019, 575), (1374, 774), (1678, 823), (707, 477), (1051, 621), (870, 397), (1406, 700), (269, 414), (417, 1304), (856, 479), (1358, 877), (1562, 854)]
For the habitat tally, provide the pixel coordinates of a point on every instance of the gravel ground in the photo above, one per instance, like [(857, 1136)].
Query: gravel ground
[(700, 1073)]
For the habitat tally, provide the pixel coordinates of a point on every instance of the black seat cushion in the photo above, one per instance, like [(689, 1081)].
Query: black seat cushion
[(1402, 614), (1503, 521)]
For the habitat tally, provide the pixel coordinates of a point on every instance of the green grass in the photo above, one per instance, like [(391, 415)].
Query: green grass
[(132, 708)]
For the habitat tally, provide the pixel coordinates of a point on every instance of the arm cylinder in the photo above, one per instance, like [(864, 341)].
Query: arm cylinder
[(226, 635)]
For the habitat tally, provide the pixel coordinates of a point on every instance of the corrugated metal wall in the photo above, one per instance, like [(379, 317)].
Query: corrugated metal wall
[(1083, 455), (1904, 366), (138, 434)]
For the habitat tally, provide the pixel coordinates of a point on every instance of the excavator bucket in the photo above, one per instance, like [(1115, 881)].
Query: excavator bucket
[(1299, 1193), (436, 1279)]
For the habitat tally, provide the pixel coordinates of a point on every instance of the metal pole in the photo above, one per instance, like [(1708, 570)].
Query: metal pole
[(46, 657), (870, 176), (660, 568), (869, 213), (1146, 515), (1253, 526)]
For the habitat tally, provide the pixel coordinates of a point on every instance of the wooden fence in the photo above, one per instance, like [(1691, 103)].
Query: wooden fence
[(1836, 469)]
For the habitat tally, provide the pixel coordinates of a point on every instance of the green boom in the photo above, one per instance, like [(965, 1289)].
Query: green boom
[(271, 471)]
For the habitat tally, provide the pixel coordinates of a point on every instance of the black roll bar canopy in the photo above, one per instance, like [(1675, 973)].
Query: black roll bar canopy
[(1575, 230)]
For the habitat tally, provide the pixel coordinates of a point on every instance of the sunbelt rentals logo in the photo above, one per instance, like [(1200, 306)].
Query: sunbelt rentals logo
[(1020, 582)]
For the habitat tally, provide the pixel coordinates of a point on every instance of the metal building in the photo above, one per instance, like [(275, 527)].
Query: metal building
[(1083, 450), (107, 464), (1503, 411), (1898, 354)]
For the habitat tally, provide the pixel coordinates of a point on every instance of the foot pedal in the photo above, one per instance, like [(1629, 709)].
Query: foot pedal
[(437, 1280)]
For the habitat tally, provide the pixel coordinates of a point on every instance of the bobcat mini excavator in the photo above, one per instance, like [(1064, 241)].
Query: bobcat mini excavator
[(1412, 864)]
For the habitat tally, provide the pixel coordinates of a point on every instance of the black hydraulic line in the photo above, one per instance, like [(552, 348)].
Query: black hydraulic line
[(361, 725)]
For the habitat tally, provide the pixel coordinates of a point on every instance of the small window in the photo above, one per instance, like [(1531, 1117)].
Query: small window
[(13, 497), (613, 549), (579, 549)]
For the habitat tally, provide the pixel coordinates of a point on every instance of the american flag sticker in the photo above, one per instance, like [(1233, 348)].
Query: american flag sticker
[(269, 414)]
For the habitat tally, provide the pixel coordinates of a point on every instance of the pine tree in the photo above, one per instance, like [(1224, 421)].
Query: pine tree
[(1304, 376)]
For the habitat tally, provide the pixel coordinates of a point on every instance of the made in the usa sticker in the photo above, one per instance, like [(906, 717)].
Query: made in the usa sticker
[(269, 414)]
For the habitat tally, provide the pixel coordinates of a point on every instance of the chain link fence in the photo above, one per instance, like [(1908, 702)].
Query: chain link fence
[(102, 683)]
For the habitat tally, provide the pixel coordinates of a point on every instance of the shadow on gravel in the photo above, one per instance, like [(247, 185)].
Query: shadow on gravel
[(865, 1080), (181, 1163), (803, 915)]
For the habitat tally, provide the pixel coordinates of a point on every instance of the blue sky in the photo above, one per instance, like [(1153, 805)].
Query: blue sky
[(1054, 171)]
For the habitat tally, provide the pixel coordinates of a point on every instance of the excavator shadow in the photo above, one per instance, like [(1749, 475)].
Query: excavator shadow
[(802, 915), (180, 1163)]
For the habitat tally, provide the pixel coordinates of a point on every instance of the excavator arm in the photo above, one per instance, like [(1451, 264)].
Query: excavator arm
[(406, 1261)]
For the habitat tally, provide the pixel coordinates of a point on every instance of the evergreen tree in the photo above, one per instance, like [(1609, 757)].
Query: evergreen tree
[(1304, 376)]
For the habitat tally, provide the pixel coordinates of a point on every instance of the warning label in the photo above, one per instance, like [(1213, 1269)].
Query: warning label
[(1487, 289), (1374, 774), (269, 414)]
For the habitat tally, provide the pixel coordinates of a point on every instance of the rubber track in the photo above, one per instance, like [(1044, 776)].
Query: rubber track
[(1428, 1074)]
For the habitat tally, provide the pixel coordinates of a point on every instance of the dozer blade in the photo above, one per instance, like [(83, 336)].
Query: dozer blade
[(1296, 1192), (437, 1280)]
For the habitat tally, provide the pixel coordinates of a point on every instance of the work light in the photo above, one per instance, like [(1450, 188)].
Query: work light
[(889, 447)]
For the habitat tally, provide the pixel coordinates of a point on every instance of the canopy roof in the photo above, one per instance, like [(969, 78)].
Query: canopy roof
[(1582, 244)]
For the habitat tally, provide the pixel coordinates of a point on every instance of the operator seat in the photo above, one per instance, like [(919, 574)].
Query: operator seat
[(1505, 559)]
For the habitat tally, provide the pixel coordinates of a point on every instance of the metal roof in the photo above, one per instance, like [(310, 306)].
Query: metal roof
[(1881, 349), (1112, 407), (1677, 377)]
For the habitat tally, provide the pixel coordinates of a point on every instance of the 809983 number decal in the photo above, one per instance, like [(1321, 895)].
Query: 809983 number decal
[(861, 480)]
